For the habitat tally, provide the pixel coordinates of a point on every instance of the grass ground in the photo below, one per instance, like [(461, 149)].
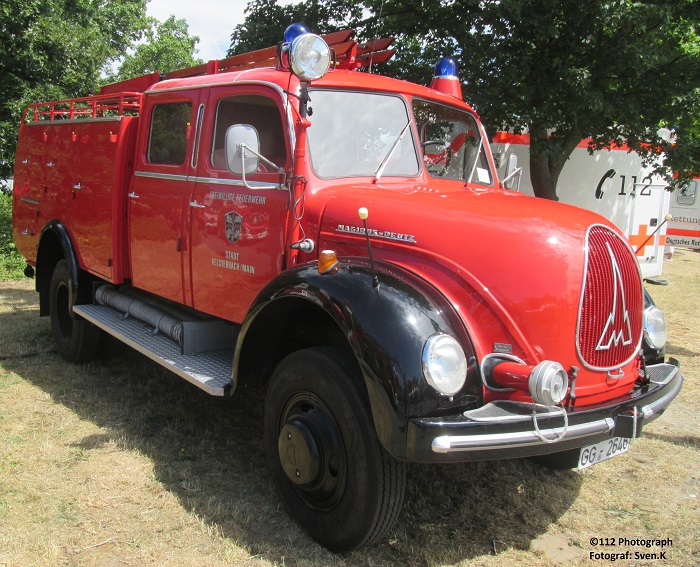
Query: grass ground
[(119, 463), (11, 262)]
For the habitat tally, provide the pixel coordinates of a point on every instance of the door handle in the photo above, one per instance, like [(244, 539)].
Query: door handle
[(133, 195), (196, 205)]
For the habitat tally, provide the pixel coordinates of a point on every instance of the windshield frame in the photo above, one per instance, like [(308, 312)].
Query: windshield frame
[(413, 142), (482, 142)]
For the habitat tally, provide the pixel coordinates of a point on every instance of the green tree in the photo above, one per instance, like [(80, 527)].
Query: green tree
[(614, 71), (266, 21), (165, 46), (53, 49)]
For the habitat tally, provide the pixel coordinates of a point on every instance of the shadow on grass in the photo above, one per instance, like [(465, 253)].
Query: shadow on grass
[(208, 452), (672, 349)]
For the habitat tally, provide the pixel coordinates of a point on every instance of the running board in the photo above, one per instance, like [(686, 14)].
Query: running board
[(210, 371)]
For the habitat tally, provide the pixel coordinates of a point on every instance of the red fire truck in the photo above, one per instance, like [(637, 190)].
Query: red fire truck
[(285, 218)]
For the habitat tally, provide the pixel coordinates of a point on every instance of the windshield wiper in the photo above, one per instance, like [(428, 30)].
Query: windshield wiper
[(476, 161), (380, 169)]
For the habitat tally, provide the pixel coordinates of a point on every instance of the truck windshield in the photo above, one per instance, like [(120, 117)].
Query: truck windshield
[(451, 143), (352, 133)]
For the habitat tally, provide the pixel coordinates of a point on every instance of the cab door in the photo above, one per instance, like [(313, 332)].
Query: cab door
[(160, 191), (237, 237)]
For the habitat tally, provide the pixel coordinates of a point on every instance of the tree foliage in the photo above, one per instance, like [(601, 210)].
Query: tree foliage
[(266, 21), (165, 46), (53, 49), (614, 71)]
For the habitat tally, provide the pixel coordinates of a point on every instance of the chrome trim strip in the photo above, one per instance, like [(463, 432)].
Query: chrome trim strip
[(167, 176), (30, 201), (75, 120), (197, 136), (230, 83), (208, 180), (236, 182), (507, 441)]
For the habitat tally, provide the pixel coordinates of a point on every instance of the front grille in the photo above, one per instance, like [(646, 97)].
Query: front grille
[(610, 314)]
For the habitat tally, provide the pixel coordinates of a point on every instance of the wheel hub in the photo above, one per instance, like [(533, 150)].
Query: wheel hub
[(311, 452), (299, 453)]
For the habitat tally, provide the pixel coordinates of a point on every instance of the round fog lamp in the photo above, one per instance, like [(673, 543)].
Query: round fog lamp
[(655, 330), (548, 383), (309, 57), (444, 364)]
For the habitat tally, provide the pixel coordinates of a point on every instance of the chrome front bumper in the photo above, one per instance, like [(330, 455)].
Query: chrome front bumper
[(507, 429)]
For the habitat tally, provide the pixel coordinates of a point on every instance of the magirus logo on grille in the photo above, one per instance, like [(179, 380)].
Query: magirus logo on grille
[(617, 327), (610, 312)]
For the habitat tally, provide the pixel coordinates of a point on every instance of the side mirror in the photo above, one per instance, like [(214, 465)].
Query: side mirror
[(242, 147), (513, 172)]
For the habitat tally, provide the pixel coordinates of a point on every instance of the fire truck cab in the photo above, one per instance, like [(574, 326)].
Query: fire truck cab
[(285, 218)]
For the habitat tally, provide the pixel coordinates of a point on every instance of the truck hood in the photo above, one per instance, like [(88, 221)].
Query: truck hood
[(511, 265)]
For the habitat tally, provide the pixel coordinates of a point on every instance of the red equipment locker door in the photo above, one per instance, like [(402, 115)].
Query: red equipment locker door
[(237, 237), (158, 201)]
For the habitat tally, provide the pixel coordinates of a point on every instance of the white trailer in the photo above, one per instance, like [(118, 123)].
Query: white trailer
[(684, 227), (613, 183)]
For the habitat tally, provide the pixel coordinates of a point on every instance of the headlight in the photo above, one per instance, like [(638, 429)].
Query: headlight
[(548, 383), (655, 330), (444, 364), (309, 57)]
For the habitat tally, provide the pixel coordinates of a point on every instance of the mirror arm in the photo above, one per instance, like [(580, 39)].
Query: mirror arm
[(280, 170), (516, 172)]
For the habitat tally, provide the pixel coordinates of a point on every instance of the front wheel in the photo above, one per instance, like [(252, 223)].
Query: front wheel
[(76, 339), (332, 474)]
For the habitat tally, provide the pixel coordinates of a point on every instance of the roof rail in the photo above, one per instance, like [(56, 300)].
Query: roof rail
[(96, 106), (348, 54)]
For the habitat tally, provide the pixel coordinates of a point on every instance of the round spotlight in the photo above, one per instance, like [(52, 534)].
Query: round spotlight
[(548, 383), (309, 57)]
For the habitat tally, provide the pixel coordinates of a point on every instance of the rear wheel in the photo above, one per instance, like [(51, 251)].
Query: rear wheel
[(76, 339), (331, 472)]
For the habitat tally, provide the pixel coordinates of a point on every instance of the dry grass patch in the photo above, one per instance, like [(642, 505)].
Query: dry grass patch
[(119, 463)]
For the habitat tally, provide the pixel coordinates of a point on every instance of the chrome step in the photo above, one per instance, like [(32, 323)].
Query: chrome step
[(210, 371)]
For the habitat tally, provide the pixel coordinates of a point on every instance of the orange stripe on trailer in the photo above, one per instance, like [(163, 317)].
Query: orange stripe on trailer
[(683, 232), (639, 241), (524, 140)]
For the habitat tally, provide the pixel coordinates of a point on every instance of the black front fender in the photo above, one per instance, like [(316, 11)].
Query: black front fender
[(386, 328)]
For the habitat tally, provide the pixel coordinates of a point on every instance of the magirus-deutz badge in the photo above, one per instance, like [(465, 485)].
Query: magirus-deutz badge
[(233, 226)]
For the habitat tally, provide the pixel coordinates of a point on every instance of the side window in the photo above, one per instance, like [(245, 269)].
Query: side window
[(686, 195), (258, 111), (170, 127)]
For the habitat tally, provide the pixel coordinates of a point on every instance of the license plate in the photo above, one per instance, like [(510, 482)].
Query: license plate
[(594, 454)]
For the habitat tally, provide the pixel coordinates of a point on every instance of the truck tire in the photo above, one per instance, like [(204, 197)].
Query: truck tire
[(332, 474), (76, 339)]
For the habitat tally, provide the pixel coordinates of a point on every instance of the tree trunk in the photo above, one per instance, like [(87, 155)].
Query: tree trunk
[(543, 183), (548, 155)]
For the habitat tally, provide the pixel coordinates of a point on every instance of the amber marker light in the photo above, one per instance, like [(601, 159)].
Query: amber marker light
[(327, 262)]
